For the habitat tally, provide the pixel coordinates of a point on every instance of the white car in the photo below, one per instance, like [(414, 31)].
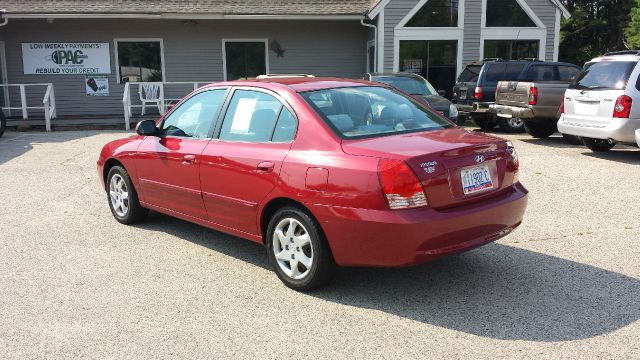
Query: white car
[(598, 105), (638, 137)]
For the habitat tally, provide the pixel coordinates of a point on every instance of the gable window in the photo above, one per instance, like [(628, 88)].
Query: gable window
[(139, 60), (511, 49), (507, 13), (436, 13)]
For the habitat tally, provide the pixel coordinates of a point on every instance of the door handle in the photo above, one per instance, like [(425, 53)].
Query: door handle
[(188, 159), (266, 166)]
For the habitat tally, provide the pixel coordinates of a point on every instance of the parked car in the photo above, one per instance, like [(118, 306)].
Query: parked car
[(474, 98), (598, 104), (324, 172), (534, 102), (3, 123), (419, 88)]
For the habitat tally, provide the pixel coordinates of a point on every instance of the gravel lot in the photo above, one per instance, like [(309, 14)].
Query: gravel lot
[(74, 283)]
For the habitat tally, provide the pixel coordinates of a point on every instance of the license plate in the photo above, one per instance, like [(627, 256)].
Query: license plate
[(463, 94), (476, 179)]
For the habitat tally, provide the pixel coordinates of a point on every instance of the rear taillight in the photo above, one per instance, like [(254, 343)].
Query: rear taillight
[(400, 185), (622, 109), (478, 94), (562, 105), (513, 163), (533, 95)]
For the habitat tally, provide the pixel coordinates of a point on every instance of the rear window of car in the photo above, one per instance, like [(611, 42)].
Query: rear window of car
[(503, 72), (470, 73), (604, 75), (368, 111)]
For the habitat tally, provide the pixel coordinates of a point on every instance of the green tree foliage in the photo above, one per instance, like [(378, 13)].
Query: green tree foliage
[(594, 28), (632, 32)]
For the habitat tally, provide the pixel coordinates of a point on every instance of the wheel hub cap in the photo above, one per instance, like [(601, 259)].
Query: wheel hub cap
[(292, 248), (119, 195)]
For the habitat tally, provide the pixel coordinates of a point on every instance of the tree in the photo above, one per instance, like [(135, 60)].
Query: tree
[(632, 32), (594, 28)]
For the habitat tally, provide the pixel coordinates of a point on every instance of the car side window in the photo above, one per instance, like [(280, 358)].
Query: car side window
[(540, 72), (495, 72), (195, 116), (567, 73), (513, 71), (253, 116), (285, 127)]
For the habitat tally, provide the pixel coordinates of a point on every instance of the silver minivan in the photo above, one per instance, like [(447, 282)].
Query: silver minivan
[(598, 105)]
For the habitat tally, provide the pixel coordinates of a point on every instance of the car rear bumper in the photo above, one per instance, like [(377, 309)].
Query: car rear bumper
[(384, 238), (620, 130), (511, 111)]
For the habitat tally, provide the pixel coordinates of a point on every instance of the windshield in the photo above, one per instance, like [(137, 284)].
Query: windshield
[(604, 75), (409, 85), (470, 73), (357, 112)]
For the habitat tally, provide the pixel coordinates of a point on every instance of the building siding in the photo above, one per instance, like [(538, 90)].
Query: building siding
[(192, 52)]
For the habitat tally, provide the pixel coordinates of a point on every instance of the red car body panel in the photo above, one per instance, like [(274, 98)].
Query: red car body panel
[(228, 185)]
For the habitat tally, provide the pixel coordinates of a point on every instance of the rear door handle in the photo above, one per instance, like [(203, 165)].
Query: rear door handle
[(188, 159), (266, 166)]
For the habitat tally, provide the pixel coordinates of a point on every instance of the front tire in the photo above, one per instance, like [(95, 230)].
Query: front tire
[(511, 125), (572, 139), (540, 130), (298, 250), (123, 198), (598, 145), (3, 123)]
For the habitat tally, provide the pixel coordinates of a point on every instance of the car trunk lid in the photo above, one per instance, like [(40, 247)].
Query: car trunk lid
[(440, 159)]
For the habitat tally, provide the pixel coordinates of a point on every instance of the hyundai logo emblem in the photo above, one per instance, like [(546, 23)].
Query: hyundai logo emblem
[(479, 158)]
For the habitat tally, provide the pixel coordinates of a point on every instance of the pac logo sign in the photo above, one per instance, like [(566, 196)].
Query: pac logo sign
[(66, 57)]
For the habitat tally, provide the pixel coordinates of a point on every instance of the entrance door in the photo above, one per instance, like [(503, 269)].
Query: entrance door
[(168, 165), (435, 60), (245, 59)]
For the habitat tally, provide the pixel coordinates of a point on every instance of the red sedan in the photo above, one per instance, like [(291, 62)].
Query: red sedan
[(322, 171)]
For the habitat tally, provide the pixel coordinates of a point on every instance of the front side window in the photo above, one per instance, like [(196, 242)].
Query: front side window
[(195, 116), (436, 13), (357, 112), (511, 49), (139, 61), (254, 116), (507, 13), (604, 75)]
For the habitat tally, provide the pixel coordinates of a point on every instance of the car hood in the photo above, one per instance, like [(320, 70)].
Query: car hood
[(435, 101)]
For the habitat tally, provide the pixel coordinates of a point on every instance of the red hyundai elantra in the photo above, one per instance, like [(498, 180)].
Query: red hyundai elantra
[(322, 171)]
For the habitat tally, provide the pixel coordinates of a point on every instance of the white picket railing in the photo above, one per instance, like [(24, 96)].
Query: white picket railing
[(48, 102), (164, 102)]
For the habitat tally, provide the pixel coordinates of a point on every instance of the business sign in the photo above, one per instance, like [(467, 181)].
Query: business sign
[(97, 85), (66, 58), (412, 66)]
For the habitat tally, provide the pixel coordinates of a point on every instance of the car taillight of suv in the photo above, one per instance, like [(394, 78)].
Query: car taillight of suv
[(622, 109), (478, 94)]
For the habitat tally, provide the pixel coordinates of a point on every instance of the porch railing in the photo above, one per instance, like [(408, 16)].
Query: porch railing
[(164, 99), (48, 102)]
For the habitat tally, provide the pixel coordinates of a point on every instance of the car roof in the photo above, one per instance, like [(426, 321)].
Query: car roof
[(301, 84), (628, 55)]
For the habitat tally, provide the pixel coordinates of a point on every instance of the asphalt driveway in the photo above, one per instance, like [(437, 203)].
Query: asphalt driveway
[(74, 283)]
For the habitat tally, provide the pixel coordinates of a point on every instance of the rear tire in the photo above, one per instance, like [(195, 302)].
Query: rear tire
[(298, 250), (3, 123), (123, 198), (485, 123), (572, 139), (598, 145), (511, 125), (540, 130)]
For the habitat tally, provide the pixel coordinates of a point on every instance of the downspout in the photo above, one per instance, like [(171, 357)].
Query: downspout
[(4, 21), (375, 42)]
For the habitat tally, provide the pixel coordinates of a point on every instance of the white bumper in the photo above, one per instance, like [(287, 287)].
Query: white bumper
[(620, 130)]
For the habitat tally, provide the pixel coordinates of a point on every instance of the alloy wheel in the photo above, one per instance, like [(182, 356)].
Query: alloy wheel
[(292, 248), (119, 195)]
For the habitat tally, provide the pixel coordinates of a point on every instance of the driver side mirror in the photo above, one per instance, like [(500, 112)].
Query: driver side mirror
[(442, 93), (147, 128)]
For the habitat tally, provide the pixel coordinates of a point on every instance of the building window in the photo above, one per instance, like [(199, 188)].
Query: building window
[(435, 60), (436, 13), (507, 13), (139, 60), (244, 59), (511, 49)]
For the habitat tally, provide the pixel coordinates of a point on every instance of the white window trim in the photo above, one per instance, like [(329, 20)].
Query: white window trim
[(5, 76), (556, 35), (381, 41), (224, 53), (523, 4), (441, 34), (421, 3), (515, 34), (115, 50)]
